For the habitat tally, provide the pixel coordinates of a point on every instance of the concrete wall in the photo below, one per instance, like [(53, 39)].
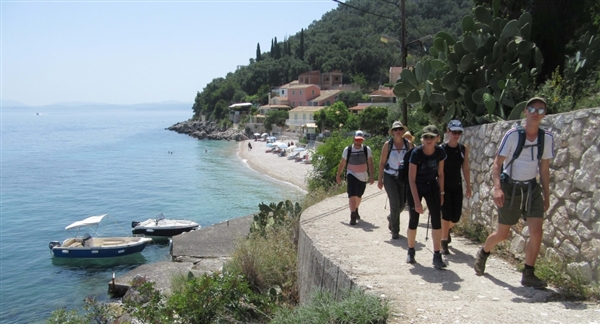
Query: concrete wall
[(572, 227)]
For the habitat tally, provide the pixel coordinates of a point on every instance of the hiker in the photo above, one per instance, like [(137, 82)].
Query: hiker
[(409, 137), (457, 159), (391, 164), (359, 161), (249, 146), (425, 178), (516, 191)]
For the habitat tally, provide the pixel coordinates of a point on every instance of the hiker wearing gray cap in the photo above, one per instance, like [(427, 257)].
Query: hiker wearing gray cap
[(524, 152), (457, 159), (425, 178)]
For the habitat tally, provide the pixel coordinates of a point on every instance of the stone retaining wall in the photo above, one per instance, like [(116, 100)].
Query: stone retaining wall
[(572, 228)]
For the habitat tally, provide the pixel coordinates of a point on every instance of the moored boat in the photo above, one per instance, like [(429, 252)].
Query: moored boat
[(163, 227)]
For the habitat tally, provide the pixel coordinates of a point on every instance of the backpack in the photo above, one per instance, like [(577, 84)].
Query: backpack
[(391, 144), (350, 152), (521, 144), (403, 173)]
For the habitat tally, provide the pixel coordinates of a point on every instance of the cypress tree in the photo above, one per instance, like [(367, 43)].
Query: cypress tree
[(258, 56)]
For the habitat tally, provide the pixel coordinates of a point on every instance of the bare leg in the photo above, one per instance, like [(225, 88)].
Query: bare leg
[(436, 236), (446, 226), (498, 236), (535, 240), (411, 236)]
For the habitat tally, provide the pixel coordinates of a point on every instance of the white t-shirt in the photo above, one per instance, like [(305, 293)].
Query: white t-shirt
[(357, 165), (396, 159), (525, 166)]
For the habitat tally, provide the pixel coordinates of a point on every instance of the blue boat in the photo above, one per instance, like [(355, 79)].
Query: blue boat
[(87, 246)]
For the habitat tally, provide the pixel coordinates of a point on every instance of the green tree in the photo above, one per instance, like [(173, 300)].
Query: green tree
[(258, 54), (374, 120), (275, 117), (350, 98), (301, 47)]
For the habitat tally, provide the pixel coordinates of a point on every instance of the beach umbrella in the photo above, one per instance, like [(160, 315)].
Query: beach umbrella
[(299, 149), (256, 134), (271, 138), (264, 135), (282, 145)]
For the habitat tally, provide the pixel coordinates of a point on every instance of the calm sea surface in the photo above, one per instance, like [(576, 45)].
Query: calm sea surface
[(61, 164)]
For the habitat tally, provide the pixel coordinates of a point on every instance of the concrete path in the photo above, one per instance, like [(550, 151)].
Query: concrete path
[(418, 292)]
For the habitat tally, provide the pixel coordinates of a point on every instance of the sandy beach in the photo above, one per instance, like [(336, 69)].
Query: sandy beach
[(274, 166)]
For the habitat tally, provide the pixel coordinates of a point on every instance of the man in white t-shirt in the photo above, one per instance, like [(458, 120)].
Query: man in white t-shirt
[(516, 190), (359, 171)]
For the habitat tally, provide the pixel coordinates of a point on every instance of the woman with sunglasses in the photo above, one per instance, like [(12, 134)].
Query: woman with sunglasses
[(425, 178), (457, 159), (390, 166)]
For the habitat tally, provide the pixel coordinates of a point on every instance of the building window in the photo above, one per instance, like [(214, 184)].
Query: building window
[(293, 92), (336, 78), (313, 92), (303, 116), (282, 92), (295, 116), (300, 92)]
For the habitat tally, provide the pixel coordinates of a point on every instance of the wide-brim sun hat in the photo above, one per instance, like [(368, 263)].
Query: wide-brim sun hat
[(409, 136), (396, 124)]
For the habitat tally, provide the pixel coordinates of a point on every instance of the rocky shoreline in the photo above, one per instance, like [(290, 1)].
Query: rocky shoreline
[(207, 130)]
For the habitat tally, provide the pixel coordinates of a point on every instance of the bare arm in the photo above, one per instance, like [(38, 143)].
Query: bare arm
[(545, 180), (466, 169), (371, 170), (382, 162), (341, 167), (496, 170), (412, 177)]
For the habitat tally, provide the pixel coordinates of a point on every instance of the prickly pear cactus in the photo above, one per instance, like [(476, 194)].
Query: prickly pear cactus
[(467, 79)]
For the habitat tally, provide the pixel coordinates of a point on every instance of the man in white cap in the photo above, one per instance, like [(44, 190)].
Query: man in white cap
[(359, 161), (524, 152)]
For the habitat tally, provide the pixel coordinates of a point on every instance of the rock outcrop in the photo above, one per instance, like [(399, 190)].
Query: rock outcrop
[(207, 130)]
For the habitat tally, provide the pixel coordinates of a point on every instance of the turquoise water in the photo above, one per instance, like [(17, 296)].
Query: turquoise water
[(61, 164)]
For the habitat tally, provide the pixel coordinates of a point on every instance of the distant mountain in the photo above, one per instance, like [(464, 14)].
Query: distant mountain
[(12, 103)]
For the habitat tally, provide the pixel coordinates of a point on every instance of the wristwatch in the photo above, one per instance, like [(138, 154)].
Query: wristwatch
[(443, 192)]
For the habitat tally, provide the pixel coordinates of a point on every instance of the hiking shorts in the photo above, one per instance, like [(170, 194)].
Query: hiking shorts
[(453, 203), (356, 188), (509, 215)]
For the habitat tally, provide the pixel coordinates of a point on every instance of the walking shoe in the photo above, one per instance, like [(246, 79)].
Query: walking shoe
[(395, 236), (353, 218), (445, 250), (357, 215), (480, 260), (529, 279), (410, 258), (389, 223), (438, 263)]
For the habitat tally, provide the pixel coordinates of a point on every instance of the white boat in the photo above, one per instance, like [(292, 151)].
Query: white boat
[(162, 227), (87, 246)]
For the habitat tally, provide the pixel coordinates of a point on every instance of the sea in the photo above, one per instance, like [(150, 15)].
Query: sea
[(63, 163)]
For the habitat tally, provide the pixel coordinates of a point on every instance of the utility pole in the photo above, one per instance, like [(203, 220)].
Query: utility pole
[(404, 55)]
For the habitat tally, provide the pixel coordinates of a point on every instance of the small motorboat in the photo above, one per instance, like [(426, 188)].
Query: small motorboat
[(162, 227), (87, 246)]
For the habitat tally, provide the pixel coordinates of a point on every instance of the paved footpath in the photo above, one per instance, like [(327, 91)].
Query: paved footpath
[(418, 292)]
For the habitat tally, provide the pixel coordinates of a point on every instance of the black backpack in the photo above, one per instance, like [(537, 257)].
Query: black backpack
[(521, 144), (403, 173)]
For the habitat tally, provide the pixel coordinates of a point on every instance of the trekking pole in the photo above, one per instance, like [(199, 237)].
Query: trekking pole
[(385, 206), (427, 231)]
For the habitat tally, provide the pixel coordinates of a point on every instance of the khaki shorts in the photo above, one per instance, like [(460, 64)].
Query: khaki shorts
[(509, 215)]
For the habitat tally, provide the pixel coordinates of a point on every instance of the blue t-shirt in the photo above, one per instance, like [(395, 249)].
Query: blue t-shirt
[(427, 166)]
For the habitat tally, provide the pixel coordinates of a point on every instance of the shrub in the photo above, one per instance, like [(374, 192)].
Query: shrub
[(357, 307)]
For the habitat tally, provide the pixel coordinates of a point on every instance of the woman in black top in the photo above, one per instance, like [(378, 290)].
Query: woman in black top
[(457, 159), (425, 178)]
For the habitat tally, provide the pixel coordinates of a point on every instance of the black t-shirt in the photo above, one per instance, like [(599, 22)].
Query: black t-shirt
[(455, 157), (427, 166)]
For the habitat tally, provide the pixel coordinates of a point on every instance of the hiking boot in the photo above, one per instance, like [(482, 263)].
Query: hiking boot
[(353, 218), (445, 250), (438, 263), (389, 218), (395, 236), (530, 280), (357, 215), (410, 257), (480, 260)]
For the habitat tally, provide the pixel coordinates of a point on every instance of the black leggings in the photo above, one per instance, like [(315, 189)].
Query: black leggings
[(432, 198)]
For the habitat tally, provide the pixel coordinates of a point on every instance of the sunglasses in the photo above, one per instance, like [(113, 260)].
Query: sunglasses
[(532, 109), (456, 132), (428, 137), (396, 129)]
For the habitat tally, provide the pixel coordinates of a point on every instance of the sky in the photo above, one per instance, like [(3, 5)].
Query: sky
[(129, 52)]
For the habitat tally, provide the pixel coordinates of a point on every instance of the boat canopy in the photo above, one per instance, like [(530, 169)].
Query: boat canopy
[(93, 220)]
